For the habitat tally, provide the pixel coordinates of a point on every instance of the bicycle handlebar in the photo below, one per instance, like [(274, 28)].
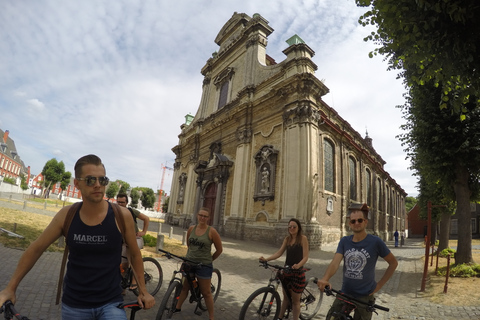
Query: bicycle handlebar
[(131, 304), (10, 311), (267, 265), (370, 307), (170, 255)]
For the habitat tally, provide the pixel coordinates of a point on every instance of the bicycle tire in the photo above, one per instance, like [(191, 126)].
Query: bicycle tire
[(264, 304), (310, 300), (169, 301), (215, 286), (153, 275)]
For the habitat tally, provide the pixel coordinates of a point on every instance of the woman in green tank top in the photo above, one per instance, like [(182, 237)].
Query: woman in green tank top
[(200, 238)]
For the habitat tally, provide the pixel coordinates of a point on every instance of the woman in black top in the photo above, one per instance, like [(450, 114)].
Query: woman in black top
[(296, 245)]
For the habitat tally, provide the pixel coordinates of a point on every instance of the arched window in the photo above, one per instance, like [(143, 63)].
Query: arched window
[(329, 165), (368, 186), (352, 165)]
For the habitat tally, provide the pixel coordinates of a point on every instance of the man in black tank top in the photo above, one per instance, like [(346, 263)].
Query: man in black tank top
[(94, 232)]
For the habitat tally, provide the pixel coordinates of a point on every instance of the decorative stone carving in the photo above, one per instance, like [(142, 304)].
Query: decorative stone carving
[(266, 164)]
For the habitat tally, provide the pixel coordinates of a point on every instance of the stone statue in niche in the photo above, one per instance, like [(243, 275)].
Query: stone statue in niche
[(182, 183), (265, 180), (265, 162)]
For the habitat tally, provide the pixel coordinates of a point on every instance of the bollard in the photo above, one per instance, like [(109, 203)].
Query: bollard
[(61, 242), (24, 204), (14, 227), (45, 205), (436, 266), (445, 288), (171, 233), (160, 241), (431, 260), (159, 227), (10, 197), (184, 238)]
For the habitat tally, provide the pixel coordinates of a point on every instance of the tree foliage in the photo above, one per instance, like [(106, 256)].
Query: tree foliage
[(124, 186), (444, 151), (435, 39), (112, 190), (147, 198), (410, 202), (53, 172), (135, 195)]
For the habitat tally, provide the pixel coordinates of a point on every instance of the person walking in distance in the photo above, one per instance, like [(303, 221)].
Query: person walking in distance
[(92, 282), (359, 253), (200, 238), (296, 246), (122, 200), (395, 235)]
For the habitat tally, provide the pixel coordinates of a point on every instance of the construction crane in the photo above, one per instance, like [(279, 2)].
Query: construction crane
[(161, 192)]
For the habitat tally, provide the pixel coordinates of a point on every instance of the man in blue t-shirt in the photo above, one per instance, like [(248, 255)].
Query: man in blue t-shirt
[(359, 253)]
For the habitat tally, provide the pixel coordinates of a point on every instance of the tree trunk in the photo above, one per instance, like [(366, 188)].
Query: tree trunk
[(462, 195), (444, 231)]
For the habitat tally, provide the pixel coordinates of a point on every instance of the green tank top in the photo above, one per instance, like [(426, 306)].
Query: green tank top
[(200, 247)]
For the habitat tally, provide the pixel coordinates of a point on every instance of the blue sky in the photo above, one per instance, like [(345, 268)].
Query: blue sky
[(116, 78)]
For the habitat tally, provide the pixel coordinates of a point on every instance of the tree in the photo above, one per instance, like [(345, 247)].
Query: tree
[(444, 151), (53, 172), (436, 40), (410, 202), (23, 182), (165, 204), (147, 198), (65, 180), (124, 186), (112, 190), (135, 195)]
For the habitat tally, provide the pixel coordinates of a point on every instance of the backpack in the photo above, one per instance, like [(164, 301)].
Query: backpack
[(133, 215), (66, 225)]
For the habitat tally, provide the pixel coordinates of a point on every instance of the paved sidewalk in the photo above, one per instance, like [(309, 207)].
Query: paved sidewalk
[(241, 275)]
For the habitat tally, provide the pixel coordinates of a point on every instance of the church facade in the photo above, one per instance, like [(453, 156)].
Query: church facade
[(264, 147)]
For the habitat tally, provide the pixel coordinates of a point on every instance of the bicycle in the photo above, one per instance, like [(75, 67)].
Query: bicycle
[(349, 305), (152, 273), (10, 312), (265, 303), (169, 301)]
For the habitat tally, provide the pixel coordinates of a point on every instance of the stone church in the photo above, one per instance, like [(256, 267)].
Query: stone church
[(264, 147)]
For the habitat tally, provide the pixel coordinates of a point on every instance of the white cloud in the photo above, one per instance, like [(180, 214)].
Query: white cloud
[(117, 78)]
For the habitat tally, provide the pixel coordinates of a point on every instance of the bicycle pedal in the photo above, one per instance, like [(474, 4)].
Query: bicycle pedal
[(198, 312)]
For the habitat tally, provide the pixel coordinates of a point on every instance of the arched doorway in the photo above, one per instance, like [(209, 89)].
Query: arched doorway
[(209, 200)]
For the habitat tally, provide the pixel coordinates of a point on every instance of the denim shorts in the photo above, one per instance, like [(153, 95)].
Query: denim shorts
[(108, 311), (201, 272)]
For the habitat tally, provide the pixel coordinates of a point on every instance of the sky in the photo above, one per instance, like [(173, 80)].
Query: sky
[(117, 78)]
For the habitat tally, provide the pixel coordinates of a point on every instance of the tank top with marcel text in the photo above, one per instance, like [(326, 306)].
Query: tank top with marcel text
[(93, 270)]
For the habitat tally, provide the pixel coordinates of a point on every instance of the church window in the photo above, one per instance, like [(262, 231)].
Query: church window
[(353, 178), (368, 185), (222, 100), (329, 165)]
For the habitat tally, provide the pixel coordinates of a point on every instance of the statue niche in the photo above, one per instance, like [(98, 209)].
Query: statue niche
[(266, 164), (182, 184)]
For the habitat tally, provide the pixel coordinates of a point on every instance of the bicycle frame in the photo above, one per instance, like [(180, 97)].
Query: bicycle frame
[(350, 304)]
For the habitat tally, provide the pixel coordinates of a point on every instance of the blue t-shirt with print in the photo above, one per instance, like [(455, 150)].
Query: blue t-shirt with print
[(359, 260)]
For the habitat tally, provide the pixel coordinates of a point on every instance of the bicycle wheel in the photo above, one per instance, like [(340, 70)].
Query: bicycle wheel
[(169, 301), (262, 304), (153, 275), (214, 287), (310, 300)]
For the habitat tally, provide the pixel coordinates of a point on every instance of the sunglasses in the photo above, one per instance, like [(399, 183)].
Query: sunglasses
[(203, 216), (292, 227), (359, 221), (90, 181)]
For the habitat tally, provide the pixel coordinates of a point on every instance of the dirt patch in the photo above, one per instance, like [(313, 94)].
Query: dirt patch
[(460, 291)]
